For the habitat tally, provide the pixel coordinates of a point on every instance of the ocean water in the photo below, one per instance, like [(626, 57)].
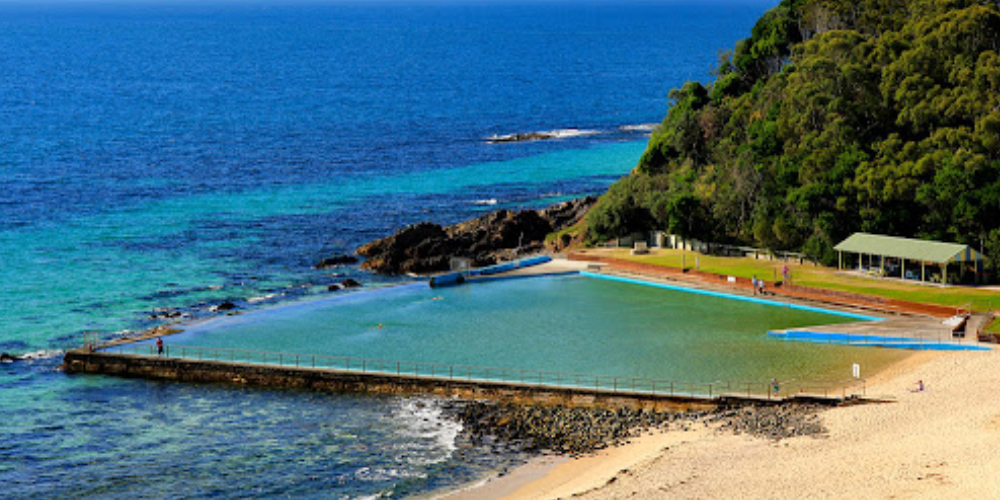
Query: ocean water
[(170, 156)]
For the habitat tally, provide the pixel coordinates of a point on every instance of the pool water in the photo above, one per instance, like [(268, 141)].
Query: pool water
[(566, 323)]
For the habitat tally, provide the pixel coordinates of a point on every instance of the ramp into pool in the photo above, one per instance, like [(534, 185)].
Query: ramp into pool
[(348, 374), (900, 333)]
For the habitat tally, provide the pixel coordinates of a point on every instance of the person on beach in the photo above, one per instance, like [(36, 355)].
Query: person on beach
[(775, 386), (920, 386), (159, 346)]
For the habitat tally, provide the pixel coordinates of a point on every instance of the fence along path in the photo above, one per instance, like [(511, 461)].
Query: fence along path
[(831, 389)]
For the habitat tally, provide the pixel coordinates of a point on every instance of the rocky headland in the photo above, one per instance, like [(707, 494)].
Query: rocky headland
[(492, 238)]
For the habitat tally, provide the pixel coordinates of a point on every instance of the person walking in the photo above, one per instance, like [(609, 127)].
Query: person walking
[(159, 346), (754, 281)]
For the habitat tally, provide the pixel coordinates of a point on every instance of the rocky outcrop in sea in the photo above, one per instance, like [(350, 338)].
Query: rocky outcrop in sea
[(486, 240)]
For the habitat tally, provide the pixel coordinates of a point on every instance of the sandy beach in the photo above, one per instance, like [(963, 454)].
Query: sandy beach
[(943, 442)]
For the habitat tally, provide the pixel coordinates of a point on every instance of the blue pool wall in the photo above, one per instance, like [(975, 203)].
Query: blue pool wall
[(872, 341)]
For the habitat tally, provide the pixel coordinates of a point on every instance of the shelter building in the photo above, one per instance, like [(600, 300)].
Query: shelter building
[(907, 258)]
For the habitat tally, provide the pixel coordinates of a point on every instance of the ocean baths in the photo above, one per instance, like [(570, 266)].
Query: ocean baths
[(566, 324)]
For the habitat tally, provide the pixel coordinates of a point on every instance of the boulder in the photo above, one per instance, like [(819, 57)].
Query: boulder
[(225, 306), (8, 358), (486, 240)]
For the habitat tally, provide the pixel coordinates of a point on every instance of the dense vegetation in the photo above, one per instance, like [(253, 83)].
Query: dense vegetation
[(835, 116)]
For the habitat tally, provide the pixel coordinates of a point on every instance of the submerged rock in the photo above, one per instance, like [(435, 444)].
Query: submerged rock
[(8, 358), (336, 260), (486, 240), (350, 283), (225, 306)]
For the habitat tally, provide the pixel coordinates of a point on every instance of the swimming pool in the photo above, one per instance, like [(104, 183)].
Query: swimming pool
[(564, 323)]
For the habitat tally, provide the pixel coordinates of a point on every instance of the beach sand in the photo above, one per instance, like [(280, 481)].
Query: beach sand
[(943, 442)]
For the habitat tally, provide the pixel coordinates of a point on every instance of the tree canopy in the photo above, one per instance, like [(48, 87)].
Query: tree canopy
[(835, 116)]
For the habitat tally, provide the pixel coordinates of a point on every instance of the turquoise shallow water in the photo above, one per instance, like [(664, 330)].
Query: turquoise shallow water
[(107, 272), (566, 324)]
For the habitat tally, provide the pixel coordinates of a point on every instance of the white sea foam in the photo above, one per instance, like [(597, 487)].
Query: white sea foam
[(642, 127), (491, 201), (41, 355), (564, 133), (425, 420), (262, 298)]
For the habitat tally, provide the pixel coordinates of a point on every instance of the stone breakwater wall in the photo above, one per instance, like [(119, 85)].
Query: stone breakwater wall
[(579, 431), (205, 371)]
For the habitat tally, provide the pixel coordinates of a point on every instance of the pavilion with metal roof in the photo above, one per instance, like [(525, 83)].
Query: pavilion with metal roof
[(903, 257)]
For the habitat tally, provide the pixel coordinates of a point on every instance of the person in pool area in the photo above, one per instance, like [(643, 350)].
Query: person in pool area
[(775, 386), (754, 281)]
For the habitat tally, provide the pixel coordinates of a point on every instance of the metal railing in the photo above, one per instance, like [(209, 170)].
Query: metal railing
[(482, 374)]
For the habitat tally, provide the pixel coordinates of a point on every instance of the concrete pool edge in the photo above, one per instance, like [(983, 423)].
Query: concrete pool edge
[(731, 296)]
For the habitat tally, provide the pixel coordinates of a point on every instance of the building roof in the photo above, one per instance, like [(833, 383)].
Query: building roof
[(907, 248)]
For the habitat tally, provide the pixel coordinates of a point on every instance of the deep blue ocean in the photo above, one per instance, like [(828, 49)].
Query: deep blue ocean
[(162, 158)]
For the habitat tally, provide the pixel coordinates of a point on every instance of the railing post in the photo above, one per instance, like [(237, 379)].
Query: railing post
[(397, 369), (364, 367), (451, 371)]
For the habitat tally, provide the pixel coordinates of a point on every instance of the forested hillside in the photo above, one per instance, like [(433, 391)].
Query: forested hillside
[(835, 116)]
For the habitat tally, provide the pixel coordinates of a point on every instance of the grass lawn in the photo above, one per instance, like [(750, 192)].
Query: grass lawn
[(820, 277)]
